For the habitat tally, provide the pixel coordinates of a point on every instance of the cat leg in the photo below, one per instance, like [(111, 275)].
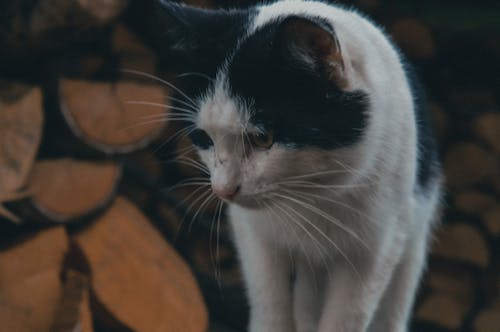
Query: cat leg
[(267, 272), (307, 295), (353, 294), (395, 307)]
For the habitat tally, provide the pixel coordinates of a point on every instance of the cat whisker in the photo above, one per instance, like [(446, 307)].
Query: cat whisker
[(314, 185), (182, 185), (202, 207), (326, 216), (190, 107), (328, 199), (280, 220), (214, 257), (158, 79), (196, 74), (321, 249), (144, 123), (322, 233), (193, 163), (167, 106), (323, 253), (219, 214), (320, 173), (183, 132)]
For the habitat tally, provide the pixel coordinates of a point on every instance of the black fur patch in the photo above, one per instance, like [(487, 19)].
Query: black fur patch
[(428, 163), (301, 106)]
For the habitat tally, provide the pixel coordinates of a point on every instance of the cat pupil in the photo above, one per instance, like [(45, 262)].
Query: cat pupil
[(201, 139)]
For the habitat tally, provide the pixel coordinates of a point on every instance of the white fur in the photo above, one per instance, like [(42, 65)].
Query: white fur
[(356, 244)]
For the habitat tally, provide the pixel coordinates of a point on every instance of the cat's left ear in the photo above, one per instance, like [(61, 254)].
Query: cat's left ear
[(314, 46), (198, 39)]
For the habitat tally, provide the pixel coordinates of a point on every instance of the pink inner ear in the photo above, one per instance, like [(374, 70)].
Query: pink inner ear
[(321, 45)]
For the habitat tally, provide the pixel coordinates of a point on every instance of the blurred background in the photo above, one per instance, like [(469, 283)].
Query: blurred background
[(106, 223)]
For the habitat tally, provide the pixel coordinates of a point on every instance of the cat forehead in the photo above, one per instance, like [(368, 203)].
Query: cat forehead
[(219, 111)]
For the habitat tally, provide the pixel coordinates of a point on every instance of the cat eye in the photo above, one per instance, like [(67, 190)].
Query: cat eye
[(262, 140), (201, 139)]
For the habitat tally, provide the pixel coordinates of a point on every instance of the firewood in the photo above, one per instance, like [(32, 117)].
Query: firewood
[(21, 122), (125, 41), (443, 310), (137, 277), (467, 164), (48, 15), (452, 280), (133, 54), (114, 117), (30, 285), (473, 202), (65, 190), (461, 242), (488, 320), (487, 127), (491, 220), (73, 313), (414, 37)]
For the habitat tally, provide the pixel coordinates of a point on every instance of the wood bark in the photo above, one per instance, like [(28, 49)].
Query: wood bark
[(21, 122), (73, 313)]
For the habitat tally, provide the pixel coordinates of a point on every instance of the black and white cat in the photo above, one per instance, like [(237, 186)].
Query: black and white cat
[(318, 140)]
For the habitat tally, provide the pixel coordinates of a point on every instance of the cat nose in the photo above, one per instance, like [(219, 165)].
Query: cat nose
[(226, 192)]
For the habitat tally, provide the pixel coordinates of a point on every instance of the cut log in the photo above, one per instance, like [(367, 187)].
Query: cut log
[(48, 15), (30, 285), (65, 190), (467, 164), (452, 280), (461, 242), (114, 117), (491, 220), (137, 277), (73, 313), (133, 54), (124, 41), (488, 320), (473, 202), (443, 310), (487, 127), (414, 37), (21, 122)]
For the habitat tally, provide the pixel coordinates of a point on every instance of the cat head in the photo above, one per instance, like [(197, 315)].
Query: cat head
[(280, 108)]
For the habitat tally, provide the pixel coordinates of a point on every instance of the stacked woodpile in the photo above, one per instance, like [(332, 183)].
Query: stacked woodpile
[(106, 221)]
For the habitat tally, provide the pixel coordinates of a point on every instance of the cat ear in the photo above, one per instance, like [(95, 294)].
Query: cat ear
[(314, 46), (191, 36)]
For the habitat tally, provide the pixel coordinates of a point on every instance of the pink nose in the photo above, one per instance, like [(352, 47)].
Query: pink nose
[(227, 193)]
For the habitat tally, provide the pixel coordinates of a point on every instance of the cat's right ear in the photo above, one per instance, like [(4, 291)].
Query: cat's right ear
[(191, 37)]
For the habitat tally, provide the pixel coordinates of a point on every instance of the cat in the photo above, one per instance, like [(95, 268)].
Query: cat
[(315, 133)]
